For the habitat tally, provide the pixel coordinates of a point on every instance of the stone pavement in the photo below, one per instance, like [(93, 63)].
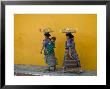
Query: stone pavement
[(29, 70)]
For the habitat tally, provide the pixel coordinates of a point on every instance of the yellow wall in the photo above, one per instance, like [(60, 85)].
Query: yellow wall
[(28, 39)]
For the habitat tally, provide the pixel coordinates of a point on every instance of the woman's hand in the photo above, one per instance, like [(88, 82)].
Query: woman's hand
[(42, 49), (70, 53), (70, 56)]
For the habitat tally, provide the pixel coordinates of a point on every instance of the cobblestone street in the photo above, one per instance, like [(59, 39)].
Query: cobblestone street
[(28, 70)]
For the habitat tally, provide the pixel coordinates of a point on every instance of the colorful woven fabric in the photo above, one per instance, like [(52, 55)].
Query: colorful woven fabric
[(49, 54), (70, 50)]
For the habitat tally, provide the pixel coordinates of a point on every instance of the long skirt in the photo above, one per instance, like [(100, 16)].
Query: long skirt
[(51, 60), (74, 57)]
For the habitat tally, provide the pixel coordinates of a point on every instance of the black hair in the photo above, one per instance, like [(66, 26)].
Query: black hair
[(47, 34), (69, 35), (54, 38)]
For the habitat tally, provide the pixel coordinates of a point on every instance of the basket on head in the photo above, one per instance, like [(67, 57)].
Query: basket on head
[(68, 30), (46, 30)]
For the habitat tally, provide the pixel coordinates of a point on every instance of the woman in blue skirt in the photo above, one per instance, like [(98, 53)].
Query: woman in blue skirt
[(49, 54)]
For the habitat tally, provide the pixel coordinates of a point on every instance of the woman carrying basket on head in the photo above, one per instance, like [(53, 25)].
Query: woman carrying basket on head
[(70, 51), (48, 46)]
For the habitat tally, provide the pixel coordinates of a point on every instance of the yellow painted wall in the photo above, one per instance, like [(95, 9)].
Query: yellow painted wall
[(28, 39)]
